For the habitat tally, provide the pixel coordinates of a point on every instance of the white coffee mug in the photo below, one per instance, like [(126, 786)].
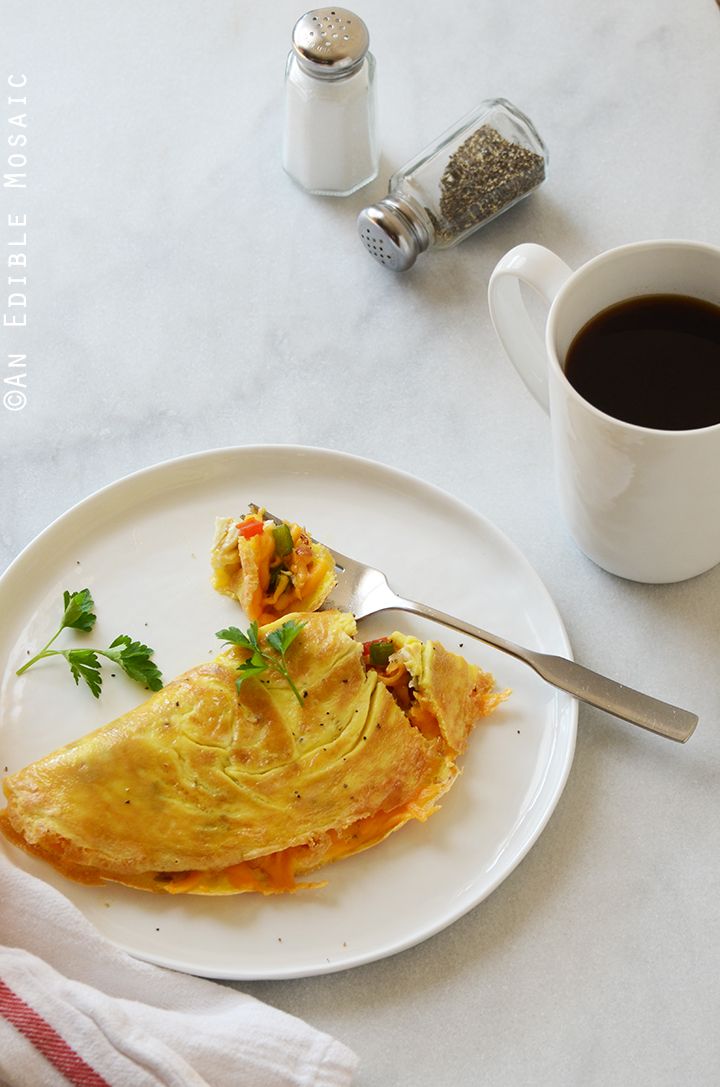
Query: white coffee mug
[(642, 503)]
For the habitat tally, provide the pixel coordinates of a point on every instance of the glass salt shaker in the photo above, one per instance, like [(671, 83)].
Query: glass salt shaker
[(330, 145), (476, 170)]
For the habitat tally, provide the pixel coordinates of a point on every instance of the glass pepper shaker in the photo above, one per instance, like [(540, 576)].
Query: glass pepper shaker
[(476, 170), (330, 146)]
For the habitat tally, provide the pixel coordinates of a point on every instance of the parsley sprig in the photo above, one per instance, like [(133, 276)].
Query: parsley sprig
[(133, 657), (260, 660)]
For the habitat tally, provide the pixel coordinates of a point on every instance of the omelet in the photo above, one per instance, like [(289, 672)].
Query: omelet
[(215, 787), (272, 568)]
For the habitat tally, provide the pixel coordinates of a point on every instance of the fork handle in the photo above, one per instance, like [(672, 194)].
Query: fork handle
[(606, 694)]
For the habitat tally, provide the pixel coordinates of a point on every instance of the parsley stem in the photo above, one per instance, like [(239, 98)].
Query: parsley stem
[(293, 688), (44, 652), (281, 669)]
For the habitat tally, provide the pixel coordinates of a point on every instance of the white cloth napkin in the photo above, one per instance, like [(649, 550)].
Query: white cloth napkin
[(76, 1010)]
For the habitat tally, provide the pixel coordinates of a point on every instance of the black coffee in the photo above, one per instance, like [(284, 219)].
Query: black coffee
[(653, 361)]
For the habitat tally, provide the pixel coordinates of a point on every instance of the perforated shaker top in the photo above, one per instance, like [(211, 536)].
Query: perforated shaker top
[(330, 43), (392, 234)]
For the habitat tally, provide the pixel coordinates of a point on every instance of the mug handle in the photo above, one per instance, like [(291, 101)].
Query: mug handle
[(542, 270)]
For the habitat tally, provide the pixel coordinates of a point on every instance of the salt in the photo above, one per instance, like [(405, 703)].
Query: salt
[(330, 145)]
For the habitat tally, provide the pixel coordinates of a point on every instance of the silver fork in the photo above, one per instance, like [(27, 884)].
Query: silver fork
[(364, 591)]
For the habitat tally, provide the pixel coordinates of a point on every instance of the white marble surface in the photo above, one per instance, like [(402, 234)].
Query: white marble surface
[(183, 295)]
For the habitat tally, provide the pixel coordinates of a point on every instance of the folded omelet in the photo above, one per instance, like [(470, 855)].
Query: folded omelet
[(211, 787), (271, 567)]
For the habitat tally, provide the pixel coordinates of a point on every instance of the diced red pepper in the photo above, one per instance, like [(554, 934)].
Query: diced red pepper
[(250, 527)]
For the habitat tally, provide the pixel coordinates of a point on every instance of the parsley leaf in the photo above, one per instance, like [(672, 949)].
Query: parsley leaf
[(235, 636), (254, 666), (282, 638), (78, 612), (259, 660), (84, 663), (133, 657)]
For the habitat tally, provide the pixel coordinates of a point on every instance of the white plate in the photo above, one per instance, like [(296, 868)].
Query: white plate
[(142, 546)]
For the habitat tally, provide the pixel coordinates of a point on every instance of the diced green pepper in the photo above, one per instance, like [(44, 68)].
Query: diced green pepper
[(276, 573), (283, 540), (379, 653)]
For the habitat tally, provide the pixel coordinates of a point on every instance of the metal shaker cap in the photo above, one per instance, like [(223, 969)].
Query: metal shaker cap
[(330, 43), (392, 233)]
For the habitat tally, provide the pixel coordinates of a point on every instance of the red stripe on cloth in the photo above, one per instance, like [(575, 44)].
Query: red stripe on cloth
[(47, 1040)]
